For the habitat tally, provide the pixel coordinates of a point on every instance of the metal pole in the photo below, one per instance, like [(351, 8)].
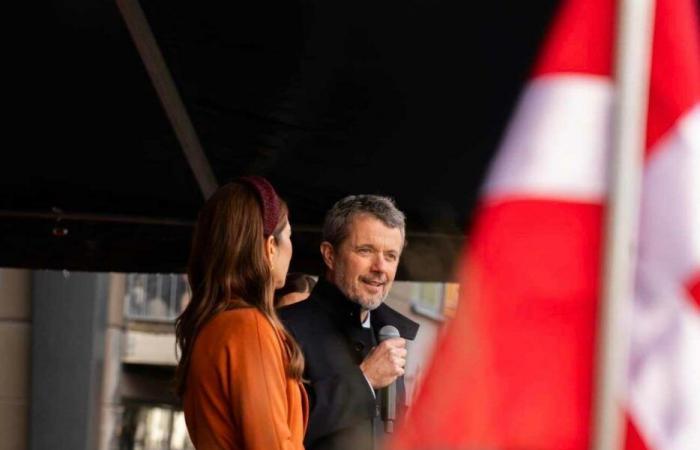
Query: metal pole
[(635, 21), (169, 96)]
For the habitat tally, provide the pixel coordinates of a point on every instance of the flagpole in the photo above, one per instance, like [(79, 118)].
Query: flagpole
[(635, 19)]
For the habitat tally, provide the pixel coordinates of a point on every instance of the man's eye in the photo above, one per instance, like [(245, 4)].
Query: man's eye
[(364, 251), (391, 257)]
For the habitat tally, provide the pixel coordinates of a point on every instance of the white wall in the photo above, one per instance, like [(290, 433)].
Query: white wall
[(420, 350)]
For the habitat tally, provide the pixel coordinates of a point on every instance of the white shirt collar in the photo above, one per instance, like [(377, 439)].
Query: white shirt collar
[(365, 323)]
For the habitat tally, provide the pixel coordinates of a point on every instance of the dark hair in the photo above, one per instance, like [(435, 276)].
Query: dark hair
[(227, 265), (295, 282)]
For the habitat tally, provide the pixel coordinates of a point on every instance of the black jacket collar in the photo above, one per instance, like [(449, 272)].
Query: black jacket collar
[(336, 305)]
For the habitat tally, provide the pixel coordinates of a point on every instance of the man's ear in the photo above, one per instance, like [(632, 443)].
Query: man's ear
[(328, 254)]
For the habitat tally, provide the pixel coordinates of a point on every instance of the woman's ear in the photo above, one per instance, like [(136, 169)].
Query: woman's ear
[(270, 249), (328, 254)]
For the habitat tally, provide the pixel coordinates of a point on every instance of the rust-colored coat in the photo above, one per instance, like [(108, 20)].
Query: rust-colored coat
[(238, 396)]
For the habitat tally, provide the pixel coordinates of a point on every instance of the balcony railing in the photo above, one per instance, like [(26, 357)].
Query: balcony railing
[(158, 297)]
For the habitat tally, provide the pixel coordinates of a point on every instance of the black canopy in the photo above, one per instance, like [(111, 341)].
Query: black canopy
[(325, 98)]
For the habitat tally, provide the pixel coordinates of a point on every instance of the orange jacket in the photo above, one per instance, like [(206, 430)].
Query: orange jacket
[(238, 396)]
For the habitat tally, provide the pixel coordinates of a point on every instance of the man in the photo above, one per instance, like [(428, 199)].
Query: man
[(338, 325)]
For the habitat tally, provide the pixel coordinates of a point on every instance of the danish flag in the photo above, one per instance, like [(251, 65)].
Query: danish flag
[(515, 367)]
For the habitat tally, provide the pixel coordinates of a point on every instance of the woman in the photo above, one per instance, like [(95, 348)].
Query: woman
[(240, 372)]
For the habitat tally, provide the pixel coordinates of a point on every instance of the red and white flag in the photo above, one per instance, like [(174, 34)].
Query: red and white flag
[(515, 369)]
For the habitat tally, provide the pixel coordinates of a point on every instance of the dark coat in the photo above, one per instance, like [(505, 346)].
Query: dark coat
[(327, 326)]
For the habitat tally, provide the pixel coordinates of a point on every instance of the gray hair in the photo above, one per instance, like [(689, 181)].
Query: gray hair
[(338, 218)]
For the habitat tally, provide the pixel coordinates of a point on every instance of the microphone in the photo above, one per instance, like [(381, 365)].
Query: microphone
[(388, 394)]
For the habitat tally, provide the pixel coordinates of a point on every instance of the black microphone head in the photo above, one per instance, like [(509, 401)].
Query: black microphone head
[(388, 332)]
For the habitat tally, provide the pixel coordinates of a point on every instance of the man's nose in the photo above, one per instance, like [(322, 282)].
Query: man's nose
[(379, 263)]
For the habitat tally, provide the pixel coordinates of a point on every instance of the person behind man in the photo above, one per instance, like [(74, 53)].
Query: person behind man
[(337, 326), (297, 287)]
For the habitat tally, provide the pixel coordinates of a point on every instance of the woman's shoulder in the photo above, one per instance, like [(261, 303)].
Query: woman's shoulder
[(239, 321), (235, 337), (242, 316), (235, 330)]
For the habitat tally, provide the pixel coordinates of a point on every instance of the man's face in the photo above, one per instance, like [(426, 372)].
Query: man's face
[(364, 264)]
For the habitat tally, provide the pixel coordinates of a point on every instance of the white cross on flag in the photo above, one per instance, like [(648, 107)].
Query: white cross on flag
[(515, 368)]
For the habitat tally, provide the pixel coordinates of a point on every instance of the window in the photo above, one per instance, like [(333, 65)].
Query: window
[(435, 300), (148, 427)]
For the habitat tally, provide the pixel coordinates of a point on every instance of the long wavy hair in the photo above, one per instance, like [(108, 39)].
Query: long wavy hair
[(228, 265)]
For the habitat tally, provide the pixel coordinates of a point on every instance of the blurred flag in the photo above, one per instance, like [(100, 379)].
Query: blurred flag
[(515, 368)]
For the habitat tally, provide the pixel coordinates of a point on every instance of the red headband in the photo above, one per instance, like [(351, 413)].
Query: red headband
[(269, 201)]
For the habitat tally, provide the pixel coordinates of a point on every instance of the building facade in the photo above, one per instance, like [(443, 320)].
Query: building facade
[(91, 356)]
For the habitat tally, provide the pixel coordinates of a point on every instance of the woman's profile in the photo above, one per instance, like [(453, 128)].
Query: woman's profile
[(239, 374)]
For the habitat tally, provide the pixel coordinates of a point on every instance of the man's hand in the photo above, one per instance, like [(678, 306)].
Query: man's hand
[(385, 362)]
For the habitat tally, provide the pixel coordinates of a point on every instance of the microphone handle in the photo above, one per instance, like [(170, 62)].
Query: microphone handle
[(388, 394), (388, 398)]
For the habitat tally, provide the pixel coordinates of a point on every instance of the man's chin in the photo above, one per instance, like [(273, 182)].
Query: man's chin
[(371, 304)]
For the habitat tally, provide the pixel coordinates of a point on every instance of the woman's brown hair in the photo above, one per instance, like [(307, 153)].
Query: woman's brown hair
[(227, 265)]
